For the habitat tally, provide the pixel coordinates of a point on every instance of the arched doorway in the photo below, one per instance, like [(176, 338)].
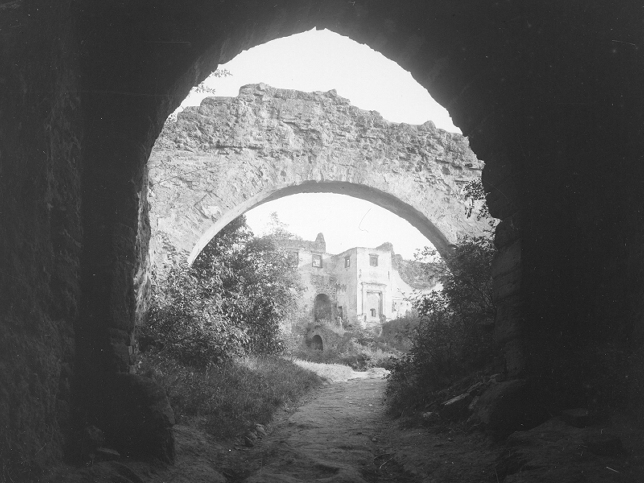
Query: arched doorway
[(316, 343)]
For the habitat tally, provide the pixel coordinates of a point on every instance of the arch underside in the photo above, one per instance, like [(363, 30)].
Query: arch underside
[(385, 200)]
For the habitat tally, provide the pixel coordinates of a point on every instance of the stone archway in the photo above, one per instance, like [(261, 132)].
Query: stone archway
[(229, 155), (547, 98)]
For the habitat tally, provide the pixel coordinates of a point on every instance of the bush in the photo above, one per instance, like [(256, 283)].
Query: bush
[(187, 325), (398, 333), (454, 334), (229, 303)]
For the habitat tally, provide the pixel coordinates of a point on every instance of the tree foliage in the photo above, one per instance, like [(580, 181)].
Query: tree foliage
[(230, 302), (278, 230), (205, 89), (454, 335), (475, 197)]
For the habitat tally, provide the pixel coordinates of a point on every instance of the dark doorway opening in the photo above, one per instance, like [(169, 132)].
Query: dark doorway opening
[(322, 308), (316, 343)]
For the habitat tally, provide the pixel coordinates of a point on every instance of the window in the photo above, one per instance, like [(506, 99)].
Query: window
[(340, 311), (293, 259), (317, 261), (373, 312), (373, 260), (347, 262)]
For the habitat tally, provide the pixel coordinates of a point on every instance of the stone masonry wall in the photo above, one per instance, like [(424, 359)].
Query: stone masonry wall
[(40, 232), (222, 158)]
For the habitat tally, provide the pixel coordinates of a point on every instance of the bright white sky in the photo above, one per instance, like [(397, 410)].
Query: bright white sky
[(321, 61)]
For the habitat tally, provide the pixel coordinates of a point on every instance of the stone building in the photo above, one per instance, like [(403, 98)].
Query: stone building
[(360, 287)]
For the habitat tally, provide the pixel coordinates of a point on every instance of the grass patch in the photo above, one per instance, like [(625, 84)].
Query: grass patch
[(332, 372), (227, 399)]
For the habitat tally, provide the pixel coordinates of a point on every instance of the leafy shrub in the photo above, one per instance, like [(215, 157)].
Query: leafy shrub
[(229, 303), (187, 324), (454, 333), (398, 333)]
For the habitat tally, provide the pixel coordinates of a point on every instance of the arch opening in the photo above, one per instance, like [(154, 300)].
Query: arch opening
[(316, 343), (378, 197)]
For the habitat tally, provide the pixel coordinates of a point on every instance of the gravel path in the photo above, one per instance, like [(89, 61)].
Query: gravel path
[(332, 438)]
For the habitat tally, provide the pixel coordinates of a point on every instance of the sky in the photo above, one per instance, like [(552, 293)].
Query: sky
[(320, 61)]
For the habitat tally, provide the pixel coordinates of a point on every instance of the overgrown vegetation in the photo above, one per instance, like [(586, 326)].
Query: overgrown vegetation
[(229, 303), (214, 330), (454, 332), (453, 335)]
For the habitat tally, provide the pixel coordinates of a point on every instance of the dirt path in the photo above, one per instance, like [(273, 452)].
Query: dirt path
[(332, 438), (343, 435), (340, 434)]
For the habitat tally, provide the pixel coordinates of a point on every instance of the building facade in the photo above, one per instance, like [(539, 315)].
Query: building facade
[(360, 287)]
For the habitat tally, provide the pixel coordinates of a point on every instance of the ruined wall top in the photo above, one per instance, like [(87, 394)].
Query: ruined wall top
[(227, 155)]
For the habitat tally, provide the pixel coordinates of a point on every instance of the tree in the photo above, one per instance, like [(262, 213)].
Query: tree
[(201, 89), (204, 89), (230, 302), (278, 230), (259, 284), (454, 336)]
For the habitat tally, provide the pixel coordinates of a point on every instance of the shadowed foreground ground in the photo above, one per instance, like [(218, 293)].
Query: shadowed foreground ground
[(340, 434)]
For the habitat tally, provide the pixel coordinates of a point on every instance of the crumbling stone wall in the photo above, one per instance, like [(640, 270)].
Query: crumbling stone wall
[(548, 94), (228, 155)]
